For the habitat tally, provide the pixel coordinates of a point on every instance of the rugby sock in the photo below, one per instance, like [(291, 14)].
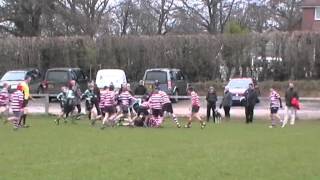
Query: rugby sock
[(175, 119)]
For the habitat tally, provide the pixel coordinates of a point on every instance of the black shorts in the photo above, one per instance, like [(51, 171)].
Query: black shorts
[(110, 110), (157, 112), (195, 109), (25, 103), (167, 108), (124, 109), (274, 110), (89, 105), (68, 108), (143, 112)]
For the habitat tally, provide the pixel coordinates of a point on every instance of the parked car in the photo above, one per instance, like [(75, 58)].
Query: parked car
[(107, 76), (172, 81), (55, 78), (15, 77), (238, 86)]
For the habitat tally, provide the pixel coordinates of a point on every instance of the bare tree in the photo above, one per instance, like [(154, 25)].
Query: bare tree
[(162, 10), (83, 16), (286, 14), (23, 17), (213, 14)]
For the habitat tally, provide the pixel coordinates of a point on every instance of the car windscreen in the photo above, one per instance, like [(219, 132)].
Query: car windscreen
[(161, 76), (58, 76), (239, 83), (14, 76)]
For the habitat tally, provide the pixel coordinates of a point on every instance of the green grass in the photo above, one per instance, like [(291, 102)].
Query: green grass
[(227, 151)]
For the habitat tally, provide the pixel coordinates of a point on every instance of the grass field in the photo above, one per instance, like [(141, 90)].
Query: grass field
[(227, 151)]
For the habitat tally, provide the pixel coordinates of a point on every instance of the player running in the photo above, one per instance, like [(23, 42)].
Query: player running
[(275, 105), (195, 107), (63, 100), (156, 103), (109, 106), (17, 107), (167, 107)]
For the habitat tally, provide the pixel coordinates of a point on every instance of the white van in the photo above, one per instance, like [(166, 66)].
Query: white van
[(107, 76)]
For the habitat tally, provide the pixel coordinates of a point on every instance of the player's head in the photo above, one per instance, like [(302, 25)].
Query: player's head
[(111, 87), (90, 85), (211, 89), (5, 85), (72, 82), (291, 86), (190, 89), (145, 98), (141, 82), (64, 89), (226, 89), (27, 79)]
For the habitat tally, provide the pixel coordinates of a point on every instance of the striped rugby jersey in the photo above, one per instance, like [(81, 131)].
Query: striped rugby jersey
[(195, 100), (165, 97), (109, 99), (103, 95), (4, 97), (274, 99), (125, 98), (16, 101), (156, 101)]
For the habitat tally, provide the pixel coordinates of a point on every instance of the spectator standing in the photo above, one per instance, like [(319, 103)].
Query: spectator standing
[(211, 103), (251, 99), (290, 110), (226, 102), (141, 89)]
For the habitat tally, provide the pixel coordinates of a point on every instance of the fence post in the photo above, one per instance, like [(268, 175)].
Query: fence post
[(47, 101)]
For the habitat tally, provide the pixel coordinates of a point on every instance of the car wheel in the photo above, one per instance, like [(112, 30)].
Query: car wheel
[(175, 99)]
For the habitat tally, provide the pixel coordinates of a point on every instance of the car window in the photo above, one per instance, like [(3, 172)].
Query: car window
[(73, 75), (239, 83), (58, 76), (173, 75), (14, 76), (82, 76), (161, 76)]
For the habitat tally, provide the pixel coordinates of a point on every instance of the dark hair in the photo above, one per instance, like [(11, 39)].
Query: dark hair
[(111, 87), (27, 77), (190, 88)]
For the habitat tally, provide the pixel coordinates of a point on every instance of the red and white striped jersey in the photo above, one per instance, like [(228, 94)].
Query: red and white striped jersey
[(103, 95), (4, 97), (125, 98), (165, 97), (274, 99), (109, 99), (16, 101), (156, 101), (195, 100)]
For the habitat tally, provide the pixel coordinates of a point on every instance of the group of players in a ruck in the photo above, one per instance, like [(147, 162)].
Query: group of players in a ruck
[(121, 107)]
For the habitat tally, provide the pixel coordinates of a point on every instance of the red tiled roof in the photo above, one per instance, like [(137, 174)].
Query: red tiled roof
[(310, 3)]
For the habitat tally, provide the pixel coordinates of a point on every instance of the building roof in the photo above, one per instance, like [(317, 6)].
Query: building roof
[(310, 3)]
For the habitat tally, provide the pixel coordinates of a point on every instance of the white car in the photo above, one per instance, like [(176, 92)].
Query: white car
[(237, 88), (105, 77)]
